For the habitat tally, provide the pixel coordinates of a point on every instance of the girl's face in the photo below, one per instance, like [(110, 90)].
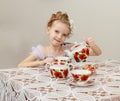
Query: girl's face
[(58, 33)]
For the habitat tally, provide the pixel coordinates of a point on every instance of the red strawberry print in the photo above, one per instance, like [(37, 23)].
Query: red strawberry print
[(62, 63), (76, 77), (58, 75), (84, 77), (55, 60), (87, 51), (92, 70), (65, 72), (76, 57), (56, 63), (83, 50), (81, 56), (89, 66), (84, 56), (76, 53)]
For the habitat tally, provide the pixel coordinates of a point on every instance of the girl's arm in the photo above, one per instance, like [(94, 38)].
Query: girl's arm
[(94, 48), (31, 61)]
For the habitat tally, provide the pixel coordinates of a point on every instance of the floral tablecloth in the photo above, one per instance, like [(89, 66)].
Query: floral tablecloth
[(36, 84)]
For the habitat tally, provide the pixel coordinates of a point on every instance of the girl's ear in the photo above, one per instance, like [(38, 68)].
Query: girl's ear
[(47, 30)]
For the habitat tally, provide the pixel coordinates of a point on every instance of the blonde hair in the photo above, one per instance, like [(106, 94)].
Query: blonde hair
[(59, 16)]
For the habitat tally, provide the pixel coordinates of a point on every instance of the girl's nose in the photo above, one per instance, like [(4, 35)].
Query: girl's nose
[(60, 36)]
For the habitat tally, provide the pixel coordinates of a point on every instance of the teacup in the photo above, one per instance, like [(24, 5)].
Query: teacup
[(59, 71), (80, 75)]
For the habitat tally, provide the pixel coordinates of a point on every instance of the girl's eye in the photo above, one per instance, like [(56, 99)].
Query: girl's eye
[(65, 35), (56, 31)]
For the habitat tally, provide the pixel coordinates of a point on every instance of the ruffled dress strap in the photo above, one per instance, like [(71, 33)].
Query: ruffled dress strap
[(38, 52)]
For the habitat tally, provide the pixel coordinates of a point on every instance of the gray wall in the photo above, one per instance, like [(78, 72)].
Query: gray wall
[(23, 23)]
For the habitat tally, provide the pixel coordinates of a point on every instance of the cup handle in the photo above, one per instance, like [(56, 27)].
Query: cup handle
[(70, 66), (47, 66)]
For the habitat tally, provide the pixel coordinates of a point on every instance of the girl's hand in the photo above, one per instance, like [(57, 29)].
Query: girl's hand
[(47, 60), (90, 42), (94, 49)]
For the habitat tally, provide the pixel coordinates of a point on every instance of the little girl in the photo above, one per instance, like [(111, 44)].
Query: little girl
[(58, 29)]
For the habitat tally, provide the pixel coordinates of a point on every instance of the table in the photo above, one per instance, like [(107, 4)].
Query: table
[(36, 84)]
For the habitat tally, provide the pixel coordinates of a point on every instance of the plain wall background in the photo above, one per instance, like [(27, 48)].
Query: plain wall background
[(23, 25)]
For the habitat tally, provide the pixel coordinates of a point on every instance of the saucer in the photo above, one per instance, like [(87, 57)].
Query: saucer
[(81, 83)]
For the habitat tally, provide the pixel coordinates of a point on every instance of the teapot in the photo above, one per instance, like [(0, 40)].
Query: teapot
[(78, 52)]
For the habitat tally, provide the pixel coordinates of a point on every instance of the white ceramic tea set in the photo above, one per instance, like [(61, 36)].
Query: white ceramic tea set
[(62, 66)]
